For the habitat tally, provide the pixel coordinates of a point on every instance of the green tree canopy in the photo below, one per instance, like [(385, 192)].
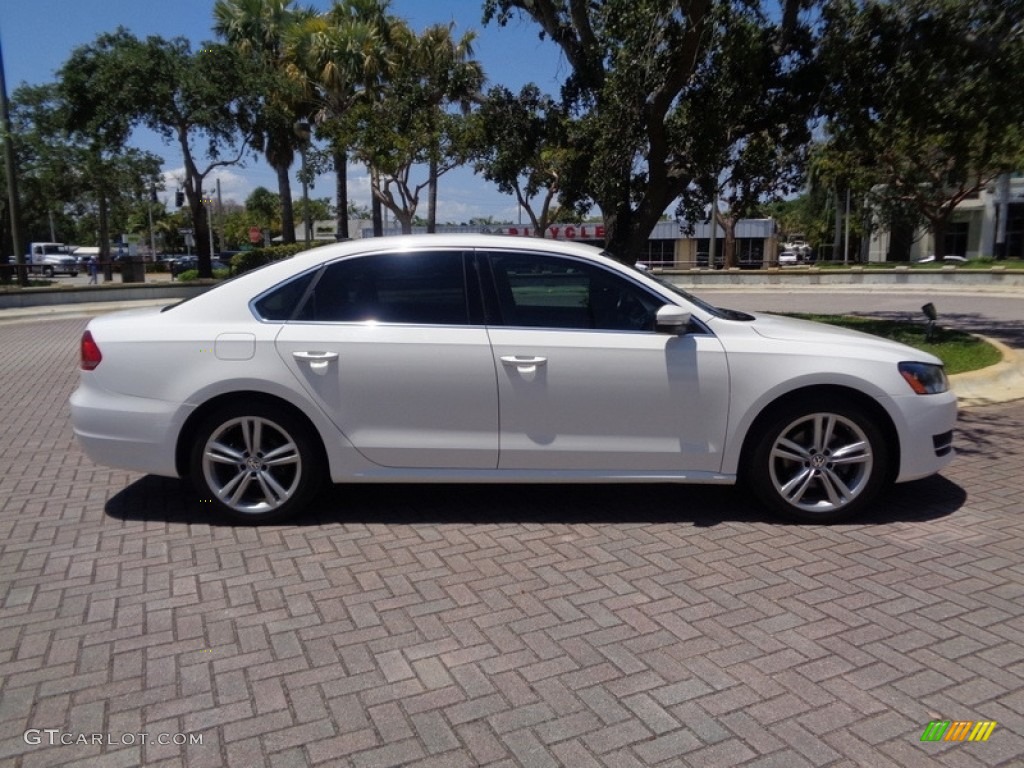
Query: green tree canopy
[(206, 101), (662, 86), (926, 104), (521, 143)]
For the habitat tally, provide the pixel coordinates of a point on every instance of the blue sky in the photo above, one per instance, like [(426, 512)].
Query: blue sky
[(39, 35)]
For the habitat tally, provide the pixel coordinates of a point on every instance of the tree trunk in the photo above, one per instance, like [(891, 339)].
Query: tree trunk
[(377, 211), (104, 234), (729, 243), (939, 225), (432, 198), (628, 231), (284, 189), (200, 226), (194, 195), (341, 192)]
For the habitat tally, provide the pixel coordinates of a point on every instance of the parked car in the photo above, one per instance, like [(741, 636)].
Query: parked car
[(482, 358), (788, 258)]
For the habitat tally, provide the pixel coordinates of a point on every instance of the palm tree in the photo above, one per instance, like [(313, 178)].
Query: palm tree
[(341, 55), (450, 77), (258, 28), (403, 122)]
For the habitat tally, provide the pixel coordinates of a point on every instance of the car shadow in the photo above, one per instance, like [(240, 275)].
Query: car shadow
[(162, 499)]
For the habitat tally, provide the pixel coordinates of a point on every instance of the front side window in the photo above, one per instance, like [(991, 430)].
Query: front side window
[(543, 291), (422, 288)]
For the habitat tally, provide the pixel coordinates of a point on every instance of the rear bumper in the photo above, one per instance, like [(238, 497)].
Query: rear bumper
[(132, 433)]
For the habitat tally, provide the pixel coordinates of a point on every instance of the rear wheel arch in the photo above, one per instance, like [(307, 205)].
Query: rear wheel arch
[(189, 431)]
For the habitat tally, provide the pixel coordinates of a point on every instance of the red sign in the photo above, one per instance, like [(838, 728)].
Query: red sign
[(255, 235), (563, 231)]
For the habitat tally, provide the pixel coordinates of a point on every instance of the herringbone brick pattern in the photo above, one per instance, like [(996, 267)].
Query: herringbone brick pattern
[(507, 626)]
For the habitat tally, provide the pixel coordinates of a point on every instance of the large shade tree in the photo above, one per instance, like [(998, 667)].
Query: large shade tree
[(205, 101), (521, 143), (78, 183), (926, 104), (641, 75)]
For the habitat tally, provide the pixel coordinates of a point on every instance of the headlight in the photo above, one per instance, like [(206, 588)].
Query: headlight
[(925, 379)]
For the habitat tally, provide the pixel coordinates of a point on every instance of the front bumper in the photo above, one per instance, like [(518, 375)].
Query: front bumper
[(926, 434)]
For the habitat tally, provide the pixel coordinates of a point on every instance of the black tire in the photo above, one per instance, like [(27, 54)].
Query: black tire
[(818, 461), (47, 271), (229, 467), (73, 274)]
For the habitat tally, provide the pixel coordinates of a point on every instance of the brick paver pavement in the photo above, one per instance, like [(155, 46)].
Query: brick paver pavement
[(507, 626)]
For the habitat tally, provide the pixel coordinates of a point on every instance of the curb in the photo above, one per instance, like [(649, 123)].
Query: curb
[(999, 383)]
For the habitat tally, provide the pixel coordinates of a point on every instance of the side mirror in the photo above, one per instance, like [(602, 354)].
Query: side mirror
[(671, 319)]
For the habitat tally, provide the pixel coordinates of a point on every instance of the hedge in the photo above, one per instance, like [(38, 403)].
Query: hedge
[(243, 262)]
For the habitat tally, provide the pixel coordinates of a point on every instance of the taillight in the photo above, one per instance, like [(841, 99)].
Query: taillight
[(91, 356)]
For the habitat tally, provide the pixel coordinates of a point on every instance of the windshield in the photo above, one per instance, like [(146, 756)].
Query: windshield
[(727, 314)]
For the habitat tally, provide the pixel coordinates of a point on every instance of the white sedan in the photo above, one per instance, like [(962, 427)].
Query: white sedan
[(489, 359)]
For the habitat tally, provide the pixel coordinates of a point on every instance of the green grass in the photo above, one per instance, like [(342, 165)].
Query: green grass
[(979, 263), (190, 275), (961, 352)]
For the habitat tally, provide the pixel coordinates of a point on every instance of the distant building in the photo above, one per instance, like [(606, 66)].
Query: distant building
[(668, 247), (973, 232)]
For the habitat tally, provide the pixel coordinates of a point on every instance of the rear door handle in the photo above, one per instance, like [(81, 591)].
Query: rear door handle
[(524, 363), (318, 361)]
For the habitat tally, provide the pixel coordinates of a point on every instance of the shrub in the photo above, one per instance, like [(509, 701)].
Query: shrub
[(246, 260)]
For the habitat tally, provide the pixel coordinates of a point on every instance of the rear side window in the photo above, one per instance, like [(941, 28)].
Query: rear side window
[(422, 288), (281, 302)]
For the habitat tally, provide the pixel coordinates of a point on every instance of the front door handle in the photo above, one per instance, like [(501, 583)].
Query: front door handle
[(318, 361), (524, 363)]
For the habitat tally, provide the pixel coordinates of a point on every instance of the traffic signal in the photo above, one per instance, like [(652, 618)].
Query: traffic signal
[(179, 198)]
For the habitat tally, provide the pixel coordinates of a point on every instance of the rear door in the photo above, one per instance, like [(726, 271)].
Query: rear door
[(391, 347)]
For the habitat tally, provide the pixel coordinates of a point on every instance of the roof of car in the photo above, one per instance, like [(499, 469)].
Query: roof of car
[(459, 240)]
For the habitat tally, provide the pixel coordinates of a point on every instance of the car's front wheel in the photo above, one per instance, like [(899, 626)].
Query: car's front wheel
[(819, 462), (258, 463)]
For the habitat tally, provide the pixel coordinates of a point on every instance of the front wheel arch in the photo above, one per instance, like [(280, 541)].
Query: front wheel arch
[(838, 398)]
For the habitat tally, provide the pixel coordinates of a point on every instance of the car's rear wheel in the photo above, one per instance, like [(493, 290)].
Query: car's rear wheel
[(257, 463), (819, 462)]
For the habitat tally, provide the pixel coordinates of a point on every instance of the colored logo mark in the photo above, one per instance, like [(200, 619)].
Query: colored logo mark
[(958, 730)]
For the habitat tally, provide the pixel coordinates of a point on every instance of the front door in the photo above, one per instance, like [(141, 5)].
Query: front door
[(585, 382)]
